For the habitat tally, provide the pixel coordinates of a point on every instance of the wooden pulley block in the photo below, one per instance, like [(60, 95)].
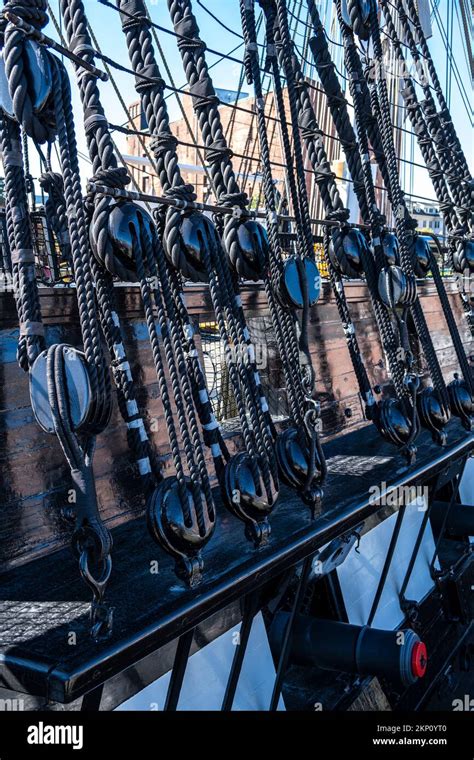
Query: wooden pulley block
[(299, 275), (434, 416), (293, 457), (77, 386), (393, 422), (391, 248), (248, 500), (396, 288), (249, 256), (127, 223), (37, 70), (421, 255), (168, 526), (346, 251), (356, 15), (462, 402), (197, 241)]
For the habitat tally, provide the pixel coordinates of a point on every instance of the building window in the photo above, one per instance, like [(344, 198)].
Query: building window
[(145, 184)]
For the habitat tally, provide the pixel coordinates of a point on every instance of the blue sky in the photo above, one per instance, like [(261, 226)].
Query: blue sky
[(106, 24)]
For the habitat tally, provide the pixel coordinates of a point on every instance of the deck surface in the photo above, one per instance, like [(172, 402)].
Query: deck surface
[(44, 601)]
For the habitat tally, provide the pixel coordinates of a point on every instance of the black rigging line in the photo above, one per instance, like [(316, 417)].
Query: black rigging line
[(181, 91), (218, 20)]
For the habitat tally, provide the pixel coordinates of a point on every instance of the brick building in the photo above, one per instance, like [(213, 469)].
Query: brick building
[(240, 129)]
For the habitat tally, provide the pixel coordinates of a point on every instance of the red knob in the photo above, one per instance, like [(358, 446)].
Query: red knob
[(419, 659)]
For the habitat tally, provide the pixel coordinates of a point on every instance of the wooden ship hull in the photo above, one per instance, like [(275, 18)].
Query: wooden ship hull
[(236, 435), (152, 613)]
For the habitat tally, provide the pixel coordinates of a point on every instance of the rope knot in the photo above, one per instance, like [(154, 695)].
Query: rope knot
[(217, 151), (163, 142), (149, 76), (132, 14), (234, 199), (339, 215), (116, 177), (182, 193), (34, 12)]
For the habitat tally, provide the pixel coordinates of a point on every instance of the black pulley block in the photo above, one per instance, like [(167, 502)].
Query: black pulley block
[(393, 422), (421, 255), (293, 457), (6, 103), (127, 223), (249, 256), (396, 288), (248, 500), (168, 525), (462, 402), (346, 251), (399, 656), (457, 520), (299, 275), (38, 73), (391, 248), (37, 70), (356, 14), (77, 390), (196, 243), (463, 257), (433, 413)]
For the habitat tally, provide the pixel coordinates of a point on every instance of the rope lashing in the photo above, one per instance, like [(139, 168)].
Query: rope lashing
[(433, 402), (27, 67), (397, 416), (41, 98), (246, 384), (124, 239), (457, 220), (185, 235)]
